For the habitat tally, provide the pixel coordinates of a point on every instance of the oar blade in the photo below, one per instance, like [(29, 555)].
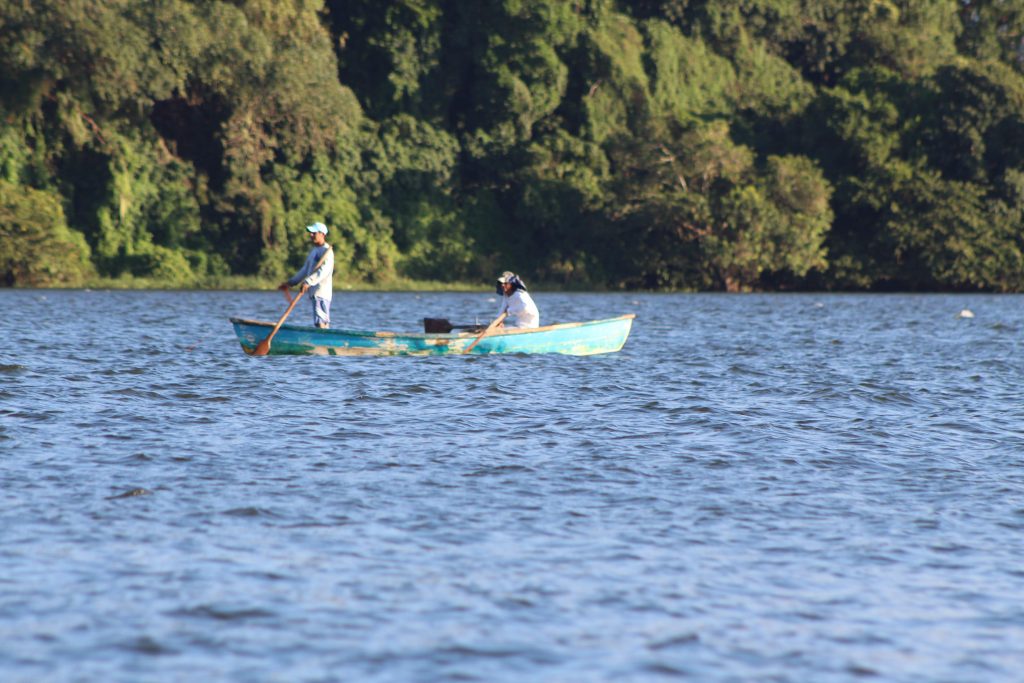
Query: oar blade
[(437, 325), (262, 349)]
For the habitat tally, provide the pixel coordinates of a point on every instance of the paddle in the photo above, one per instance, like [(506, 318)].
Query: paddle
[(263, 348), (442, 326), (489, 329)]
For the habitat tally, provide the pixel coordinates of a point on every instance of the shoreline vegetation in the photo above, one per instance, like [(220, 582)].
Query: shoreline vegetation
[(255, 284), (598, 145), (242, 283)]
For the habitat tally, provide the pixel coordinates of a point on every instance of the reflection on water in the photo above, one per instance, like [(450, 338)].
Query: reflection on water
[(762, 487)]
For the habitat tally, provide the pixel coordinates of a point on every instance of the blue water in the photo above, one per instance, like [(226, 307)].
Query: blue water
[(757, 487)]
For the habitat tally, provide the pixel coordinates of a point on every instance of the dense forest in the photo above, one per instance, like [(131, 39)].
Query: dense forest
[(640, 144)]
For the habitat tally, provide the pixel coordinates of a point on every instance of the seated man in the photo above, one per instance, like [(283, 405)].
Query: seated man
[(517, 303)]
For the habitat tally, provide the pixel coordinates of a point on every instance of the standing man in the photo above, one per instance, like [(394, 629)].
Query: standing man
[(517, 302), (316, 275)]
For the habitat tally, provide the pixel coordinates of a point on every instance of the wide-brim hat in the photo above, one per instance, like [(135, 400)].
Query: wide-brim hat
[(510, 278)]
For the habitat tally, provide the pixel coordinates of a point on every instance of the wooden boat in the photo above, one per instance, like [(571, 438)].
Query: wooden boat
[(577, 339)]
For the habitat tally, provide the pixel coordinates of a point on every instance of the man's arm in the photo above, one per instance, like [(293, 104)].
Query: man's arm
[(303, 272), (324, 269)]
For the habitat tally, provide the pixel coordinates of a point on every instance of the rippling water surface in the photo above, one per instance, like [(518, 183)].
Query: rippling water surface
[(764, 487)]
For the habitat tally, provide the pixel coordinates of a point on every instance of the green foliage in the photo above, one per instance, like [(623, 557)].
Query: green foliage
[(417, 163), (949, 236), (702, 213), (912, 37), (391, 53), (13, 154), (853, 131), (975, 105), (682, 144), (993, 30), (767, 84), (777, 224), (321, 191), (36, 247), (22, 160), (558, 187), (612, 68), (688, 81)]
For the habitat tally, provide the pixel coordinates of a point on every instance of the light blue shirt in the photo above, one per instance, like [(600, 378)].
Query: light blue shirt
[(319, 280)]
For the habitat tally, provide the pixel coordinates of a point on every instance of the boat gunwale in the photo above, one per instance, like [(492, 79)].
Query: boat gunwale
[(432, 335)]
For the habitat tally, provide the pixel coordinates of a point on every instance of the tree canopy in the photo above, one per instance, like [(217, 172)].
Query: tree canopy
[(683, 144)]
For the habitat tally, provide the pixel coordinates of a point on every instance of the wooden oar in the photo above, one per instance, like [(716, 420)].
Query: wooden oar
[(489, 329), (263, 348)]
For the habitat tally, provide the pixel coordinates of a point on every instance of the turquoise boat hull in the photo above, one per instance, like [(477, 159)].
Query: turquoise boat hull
[(576, 339)]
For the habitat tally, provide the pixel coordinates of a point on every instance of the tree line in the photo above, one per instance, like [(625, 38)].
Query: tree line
[(637, 144)]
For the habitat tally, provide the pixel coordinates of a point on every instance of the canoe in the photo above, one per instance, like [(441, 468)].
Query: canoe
[(576, 339)]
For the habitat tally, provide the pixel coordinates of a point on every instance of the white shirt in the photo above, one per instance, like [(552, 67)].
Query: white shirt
[(319, 280), (522, 312)]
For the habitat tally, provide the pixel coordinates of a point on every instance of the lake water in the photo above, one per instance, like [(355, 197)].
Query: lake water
[(757, 487)]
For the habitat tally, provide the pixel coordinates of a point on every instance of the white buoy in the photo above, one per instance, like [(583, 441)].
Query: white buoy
[(965, 313)]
